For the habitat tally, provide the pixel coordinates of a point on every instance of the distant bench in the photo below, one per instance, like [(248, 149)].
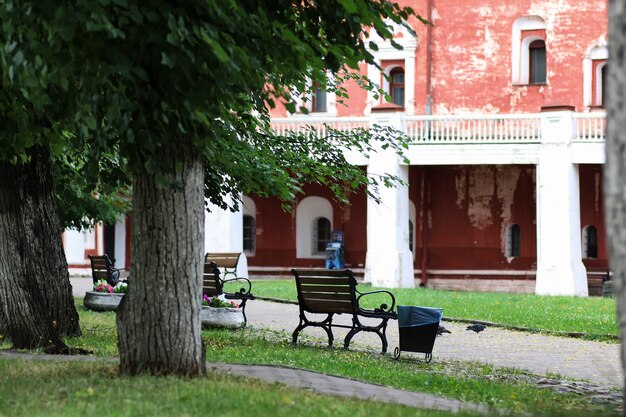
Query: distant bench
[(334, 292), (226, 260), (213, 285)]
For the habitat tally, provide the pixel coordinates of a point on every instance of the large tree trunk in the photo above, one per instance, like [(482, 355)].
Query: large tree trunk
[(159, 318), (615, 168), (36, 302)]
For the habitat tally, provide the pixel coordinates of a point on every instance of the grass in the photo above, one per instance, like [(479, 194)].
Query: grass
[(71, 389), (592, 315), (502, 388), (68, 389)]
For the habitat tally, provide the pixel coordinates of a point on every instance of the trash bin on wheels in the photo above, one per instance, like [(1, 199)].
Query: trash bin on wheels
[(418, 329)]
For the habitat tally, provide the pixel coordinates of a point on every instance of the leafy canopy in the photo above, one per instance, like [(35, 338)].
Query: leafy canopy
[(149, 78)]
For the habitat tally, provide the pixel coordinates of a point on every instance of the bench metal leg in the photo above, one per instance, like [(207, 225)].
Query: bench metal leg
[(357, 327), (324, 324)]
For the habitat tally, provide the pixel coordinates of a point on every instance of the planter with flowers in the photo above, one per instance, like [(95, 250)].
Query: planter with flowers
[(105, 297), (219, 312)]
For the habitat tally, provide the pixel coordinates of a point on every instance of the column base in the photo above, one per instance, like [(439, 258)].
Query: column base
[(557, 280), (389, 269)]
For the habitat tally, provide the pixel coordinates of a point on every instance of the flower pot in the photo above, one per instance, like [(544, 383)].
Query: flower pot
[(102, 301), (230, 318)]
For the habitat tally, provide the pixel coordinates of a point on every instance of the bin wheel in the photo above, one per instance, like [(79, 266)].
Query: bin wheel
[(428, 357), (396, 353)]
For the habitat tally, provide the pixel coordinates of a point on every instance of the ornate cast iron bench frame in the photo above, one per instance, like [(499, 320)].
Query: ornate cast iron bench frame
[(102, 268), (334, 292), (213, 285)]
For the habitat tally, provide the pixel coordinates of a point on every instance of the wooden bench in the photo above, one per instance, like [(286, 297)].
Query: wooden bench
[(102, 268), (213, 286), (333, 292), (226, 260)]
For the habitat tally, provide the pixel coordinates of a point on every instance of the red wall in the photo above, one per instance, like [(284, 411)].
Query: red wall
[(467, 211), (592, 211), (276, 230)]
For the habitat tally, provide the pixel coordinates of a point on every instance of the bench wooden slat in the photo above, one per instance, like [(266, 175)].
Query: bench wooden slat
[(327, 296), (328, 306), (343, 289), (223, 259), (321, 273), (325, 281)]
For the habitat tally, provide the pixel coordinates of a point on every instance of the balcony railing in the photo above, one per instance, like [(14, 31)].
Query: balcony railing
[(590, 127), (467, 129), (510, 128)]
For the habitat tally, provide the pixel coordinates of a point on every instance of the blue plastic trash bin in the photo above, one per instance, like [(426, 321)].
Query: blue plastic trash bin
[(418, 329)]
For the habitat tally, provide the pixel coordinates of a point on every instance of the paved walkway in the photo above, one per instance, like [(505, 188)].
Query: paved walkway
[(571, 358)]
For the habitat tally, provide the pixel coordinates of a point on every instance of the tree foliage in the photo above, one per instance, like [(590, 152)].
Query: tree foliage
[(144, 76)]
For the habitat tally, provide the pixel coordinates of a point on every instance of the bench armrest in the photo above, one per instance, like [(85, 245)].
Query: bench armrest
[(244, 291), (384, 308)]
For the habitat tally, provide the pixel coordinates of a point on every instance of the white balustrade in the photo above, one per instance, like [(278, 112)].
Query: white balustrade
[(590, 127), (465, 129)]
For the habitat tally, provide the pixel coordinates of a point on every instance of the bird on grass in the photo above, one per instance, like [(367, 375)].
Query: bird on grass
[(476, 327), (441, 330)]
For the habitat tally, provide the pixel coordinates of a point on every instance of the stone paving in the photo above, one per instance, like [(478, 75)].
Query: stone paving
[(595, 362)]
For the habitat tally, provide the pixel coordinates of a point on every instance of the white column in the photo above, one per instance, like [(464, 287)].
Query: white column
[(560, 270), (389, 262), (223, 232)]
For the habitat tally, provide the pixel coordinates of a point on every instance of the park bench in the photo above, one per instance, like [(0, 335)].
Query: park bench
[(102, 268), (333, 292), (225, 260), (213, 286)]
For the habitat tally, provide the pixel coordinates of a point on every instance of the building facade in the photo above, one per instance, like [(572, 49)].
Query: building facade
[(503, 105)]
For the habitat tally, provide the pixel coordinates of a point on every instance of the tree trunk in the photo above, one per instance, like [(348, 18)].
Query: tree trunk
[(36, 300), (158, 320), (615, 168)]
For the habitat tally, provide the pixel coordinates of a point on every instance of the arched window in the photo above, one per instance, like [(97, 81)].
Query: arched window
[(513, 241), (249, 234), (527, 30), (319, 100), (396, 86), (537, 62), (313, 226), (321, 235), (590, 242)]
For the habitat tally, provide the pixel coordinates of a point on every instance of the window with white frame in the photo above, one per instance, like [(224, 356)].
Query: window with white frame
[(513, 241), (388, 58), (528, 51), (314, 223), (590, 242), (319, 100), (594, 74), (249, 226)]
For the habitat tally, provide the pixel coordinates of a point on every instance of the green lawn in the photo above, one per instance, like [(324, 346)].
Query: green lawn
[(93, 389), (591, 315), (501, 388), (78, 389)]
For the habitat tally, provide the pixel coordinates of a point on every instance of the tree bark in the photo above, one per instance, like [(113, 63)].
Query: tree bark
[(36, 302), (615, 168), (158, 321)]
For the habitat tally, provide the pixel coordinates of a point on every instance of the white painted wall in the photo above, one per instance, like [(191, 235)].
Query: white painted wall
[(223, 232), (120, 243)]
